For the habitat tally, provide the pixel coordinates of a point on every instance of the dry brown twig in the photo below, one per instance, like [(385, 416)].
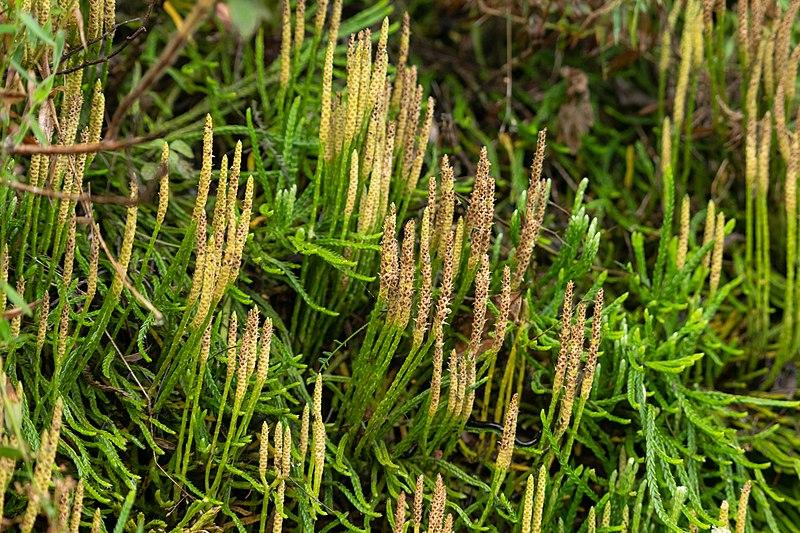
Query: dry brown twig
[(167, 57), (50, 193), (79, 148), (111, 143), (159, 317)]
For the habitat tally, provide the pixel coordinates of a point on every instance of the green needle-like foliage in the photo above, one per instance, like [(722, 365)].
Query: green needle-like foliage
[(263, 293)]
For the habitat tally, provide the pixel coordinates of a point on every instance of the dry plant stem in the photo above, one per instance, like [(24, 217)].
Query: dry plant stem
[(159, 317), (167, 57), (105, 58), (108, 145), (82, 197), (121, 277)]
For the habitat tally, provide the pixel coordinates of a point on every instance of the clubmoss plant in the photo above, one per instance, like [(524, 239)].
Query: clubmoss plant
[(269, 293)]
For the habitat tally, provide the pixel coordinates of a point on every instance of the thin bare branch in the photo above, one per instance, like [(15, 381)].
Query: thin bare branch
[(79, 148), (50, 193), (167, 57), (159, 317)]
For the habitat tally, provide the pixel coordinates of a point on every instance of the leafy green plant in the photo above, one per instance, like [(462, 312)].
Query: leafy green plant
[(253, 335)]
